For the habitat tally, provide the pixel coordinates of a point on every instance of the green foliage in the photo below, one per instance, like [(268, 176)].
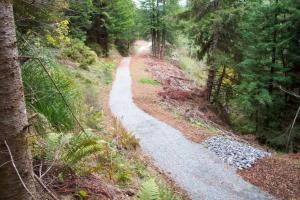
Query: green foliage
[(81, 147), (82, 194), (149, 81), (252, 47), (80, 53), (120, 24), (204, 125), (42, 96), (107, 72), (80, 13), (149, 191)]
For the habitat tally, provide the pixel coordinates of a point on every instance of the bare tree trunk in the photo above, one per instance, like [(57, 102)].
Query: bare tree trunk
[(212, 67), (211, 79), (13, 117), (274, 50), (220, 81), (163, 37)]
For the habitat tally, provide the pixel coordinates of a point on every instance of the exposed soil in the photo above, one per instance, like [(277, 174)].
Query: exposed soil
[(147, 97)]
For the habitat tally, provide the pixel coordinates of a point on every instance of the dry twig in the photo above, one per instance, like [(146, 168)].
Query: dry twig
[(15, 167)]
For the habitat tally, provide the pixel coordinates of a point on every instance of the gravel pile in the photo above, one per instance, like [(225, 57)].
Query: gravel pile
[(234, 153)]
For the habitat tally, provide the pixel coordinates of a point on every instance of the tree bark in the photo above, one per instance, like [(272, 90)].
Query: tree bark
[(13, 116), (211, 79), (220, 81), (212, 66)]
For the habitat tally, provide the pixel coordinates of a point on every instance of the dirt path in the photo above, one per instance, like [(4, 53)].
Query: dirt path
[(194, 168)]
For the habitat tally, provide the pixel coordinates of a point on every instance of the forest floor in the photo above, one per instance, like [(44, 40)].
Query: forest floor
[(162, 90)]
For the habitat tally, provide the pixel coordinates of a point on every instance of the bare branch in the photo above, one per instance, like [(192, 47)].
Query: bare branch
[(4, 163), (286, 91), (15, 167), (45, 187), (292, 126)]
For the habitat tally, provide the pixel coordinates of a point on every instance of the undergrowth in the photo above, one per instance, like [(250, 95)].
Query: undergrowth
[(149, 81), (80, 53), (59, 142)]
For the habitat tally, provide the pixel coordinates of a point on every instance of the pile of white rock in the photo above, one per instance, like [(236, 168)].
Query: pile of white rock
[(234, 153)]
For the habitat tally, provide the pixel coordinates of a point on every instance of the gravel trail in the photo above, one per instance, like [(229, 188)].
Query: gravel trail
[(194, 168)]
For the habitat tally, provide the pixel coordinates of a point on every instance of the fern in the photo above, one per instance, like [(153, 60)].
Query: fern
[(149, 191), (81, 147)]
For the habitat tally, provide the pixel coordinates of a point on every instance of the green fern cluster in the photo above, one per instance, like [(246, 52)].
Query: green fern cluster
[(86, 154), (150, 190), (81, 147)]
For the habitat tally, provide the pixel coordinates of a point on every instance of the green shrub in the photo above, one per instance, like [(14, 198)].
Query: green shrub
[(80, 53), (97, 48)]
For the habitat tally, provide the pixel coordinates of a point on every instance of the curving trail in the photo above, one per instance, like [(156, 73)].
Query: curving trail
[(192, 167)]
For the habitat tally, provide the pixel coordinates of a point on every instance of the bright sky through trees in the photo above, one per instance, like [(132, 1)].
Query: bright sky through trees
[(181, 2)]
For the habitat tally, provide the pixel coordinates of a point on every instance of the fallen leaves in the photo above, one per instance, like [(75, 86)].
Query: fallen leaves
[(279, 175)]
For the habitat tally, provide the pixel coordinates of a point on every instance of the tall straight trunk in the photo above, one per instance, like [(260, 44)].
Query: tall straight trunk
[(152, 27), (220, 81), (274, 50), (157, 39), (211, 79), (212, 67), (13, 116), (163, 37)]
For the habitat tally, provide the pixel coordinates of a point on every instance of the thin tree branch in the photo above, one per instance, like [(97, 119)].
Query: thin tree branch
[(15, 167), (286, 91), (4, 163), (292, 126), (45, 187)]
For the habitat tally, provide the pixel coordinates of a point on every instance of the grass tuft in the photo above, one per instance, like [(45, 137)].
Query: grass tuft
[(149, 81)]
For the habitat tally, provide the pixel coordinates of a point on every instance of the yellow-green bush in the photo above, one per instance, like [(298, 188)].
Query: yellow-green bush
[(80, 53)]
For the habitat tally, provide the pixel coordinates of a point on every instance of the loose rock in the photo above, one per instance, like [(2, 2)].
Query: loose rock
[(234, 153)]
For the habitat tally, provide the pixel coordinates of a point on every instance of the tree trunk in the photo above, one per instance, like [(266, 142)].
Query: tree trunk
[(212, 66), (211, 79), (163, 37), (220, 81), (274, 50), (13, 116)]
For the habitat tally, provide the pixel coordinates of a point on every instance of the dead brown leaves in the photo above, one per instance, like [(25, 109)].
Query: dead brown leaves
[(278, 175)]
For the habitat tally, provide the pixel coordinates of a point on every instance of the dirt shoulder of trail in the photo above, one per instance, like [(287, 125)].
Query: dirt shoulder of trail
[(146, 97), (173, 102)]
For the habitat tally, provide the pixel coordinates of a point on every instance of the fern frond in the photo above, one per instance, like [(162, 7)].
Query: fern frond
[(149, 191), (82, 147)]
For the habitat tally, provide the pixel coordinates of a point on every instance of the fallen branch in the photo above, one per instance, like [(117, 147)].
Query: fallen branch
[(53, 162), (45, 187), (15, 167)]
